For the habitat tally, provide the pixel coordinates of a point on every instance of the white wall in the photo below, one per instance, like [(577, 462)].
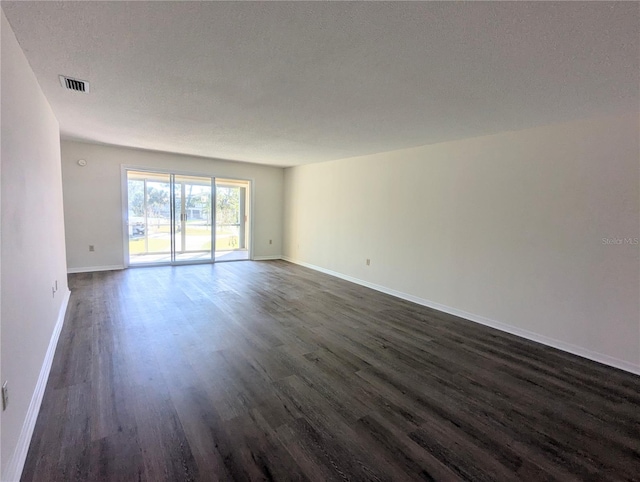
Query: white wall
[(93, 199), (506, 229), (33, 247)]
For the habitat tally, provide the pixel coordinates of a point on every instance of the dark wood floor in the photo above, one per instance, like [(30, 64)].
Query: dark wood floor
[(270, 371)]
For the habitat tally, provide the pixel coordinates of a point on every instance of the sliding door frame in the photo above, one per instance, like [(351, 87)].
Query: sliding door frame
[(124, 191)]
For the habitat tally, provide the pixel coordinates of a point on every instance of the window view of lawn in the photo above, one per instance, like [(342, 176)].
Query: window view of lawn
[(198, 239)]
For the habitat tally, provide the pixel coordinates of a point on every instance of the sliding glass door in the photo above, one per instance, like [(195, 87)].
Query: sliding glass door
[(171, 218)]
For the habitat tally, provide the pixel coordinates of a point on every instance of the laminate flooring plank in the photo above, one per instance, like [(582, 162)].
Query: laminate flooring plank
[(205, 433), (166, 451), (398, 449), (77, 346), (44, 451), (336, 393), (261, 456), (116, 458), (322, 422), (109, 372), (216, 380)]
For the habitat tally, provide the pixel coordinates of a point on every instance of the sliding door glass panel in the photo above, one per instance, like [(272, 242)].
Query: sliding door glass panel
[(149, 222), (232, 220), (193, 224)]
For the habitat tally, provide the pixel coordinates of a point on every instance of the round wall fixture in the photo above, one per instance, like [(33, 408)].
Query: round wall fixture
[(82, 163)]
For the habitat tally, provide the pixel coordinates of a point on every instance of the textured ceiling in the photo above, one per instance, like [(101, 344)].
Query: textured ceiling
[(293, 83)]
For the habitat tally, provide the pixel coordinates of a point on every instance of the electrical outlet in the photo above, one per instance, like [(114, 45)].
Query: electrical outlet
[(368, 262), (5, 396), (92, 247), (271, 241), (56, 285)]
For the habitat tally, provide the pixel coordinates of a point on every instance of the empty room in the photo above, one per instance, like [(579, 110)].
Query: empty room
[(385, 241)]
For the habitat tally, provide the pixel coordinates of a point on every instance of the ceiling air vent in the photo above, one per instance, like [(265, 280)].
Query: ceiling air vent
[(74, 84)]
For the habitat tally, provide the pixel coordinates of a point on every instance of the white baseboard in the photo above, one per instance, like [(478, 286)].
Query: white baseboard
[(266, 258), (529, 335), (89, 269), (16, 463)]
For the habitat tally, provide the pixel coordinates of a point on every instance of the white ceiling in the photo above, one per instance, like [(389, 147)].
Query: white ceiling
[(300, 82)]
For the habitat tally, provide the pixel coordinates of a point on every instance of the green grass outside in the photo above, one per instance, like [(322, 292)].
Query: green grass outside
[(199, 238)]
